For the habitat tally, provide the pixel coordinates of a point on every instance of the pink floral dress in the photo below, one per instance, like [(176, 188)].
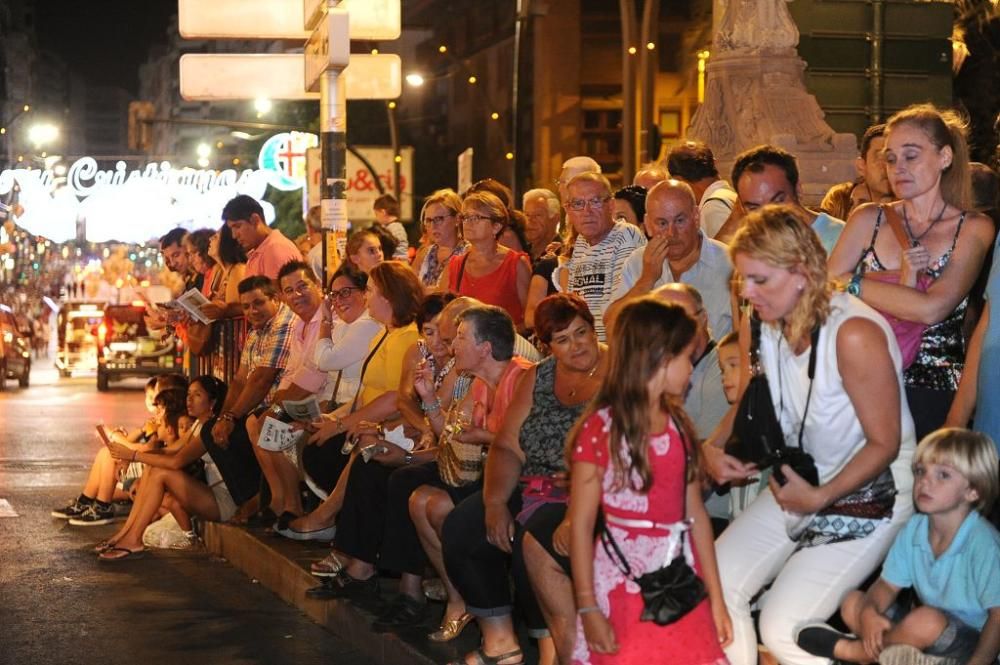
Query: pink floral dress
[(690, 641)]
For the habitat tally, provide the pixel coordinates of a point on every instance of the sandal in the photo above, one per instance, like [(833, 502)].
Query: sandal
[(451, 629), (103, 546), (328, 566), (483, 659), (110, 554)]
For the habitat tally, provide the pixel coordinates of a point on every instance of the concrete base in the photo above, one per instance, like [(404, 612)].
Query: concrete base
[(283, 567), (751, 99)]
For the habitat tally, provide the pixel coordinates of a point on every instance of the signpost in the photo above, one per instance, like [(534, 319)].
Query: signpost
[(326, 26)]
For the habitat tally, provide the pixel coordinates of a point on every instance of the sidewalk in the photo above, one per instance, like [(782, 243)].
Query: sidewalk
[(282, 566)]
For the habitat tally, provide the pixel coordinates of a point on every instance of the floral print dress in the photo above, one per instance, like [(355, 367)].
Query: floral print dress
[(690, 641)]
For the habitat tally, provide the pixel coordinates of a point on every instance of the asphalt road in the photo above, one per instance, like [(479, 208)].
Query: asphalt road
[(58, 604)]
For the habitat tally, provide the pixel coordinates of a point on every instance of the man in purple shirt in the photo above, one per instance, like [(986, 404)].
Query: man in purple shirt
[(267, 249)]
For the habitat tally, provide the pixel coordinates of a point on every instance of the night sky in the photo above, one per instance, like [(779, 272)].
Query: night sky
[(105, 41)]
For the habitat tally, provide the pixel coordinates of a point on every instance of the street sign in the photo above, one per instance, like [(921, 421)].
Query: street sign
[(464, 170), (328, 47), (227, 76), (282, 19)]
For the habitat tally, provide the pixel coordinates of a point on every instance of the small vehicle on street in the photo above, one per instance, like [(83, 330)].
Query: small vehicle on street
[(127, 349), (77, 325), (15, 350)]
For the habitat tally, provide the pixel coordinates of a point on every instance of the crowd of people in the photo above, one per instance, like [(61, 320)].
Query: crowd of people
[(695, 419)]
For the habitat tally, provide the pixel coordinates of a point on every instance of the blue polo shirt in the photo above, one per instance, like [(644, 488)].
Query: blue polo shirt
[(987, 418), (828, 229), (964, 580)]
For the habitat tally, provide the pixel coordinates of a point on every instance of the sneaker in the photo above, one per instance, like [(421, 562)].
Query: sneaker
[(904, 654), (94, 516), (75, 509), (819, 639), (401, 612)]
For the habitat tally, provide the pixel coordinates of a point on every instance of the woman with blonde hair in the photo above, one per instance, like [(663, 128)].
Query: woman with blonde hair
[(489, 271), (439, 217), (834, 371), (935, 243)]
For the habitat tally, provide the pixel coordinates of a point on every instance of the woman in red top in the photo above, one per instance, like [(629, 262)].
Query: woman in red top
[(490, 272)]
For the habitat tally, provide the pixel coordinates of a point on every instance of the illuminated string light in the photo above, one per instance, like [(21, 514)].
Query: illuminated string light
[(495, 115), (650, 46), (392, 105), (374, 51), (398, 159), (472, 80), (442, 49), (509, 155), (631, 50)]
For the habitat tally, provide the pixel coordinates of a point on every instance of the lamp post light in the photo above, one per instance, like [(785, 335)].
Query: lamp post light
[(42, 134)]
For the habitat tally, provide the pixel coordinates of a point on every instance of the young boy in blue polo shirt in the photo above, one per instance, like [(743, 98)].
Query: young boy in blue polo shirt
[(948, 552)]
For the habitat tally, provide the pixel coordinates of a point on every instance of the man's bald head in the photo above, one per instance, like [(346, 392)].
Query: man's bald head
[(449, 316), (672, 187), (688, 297)]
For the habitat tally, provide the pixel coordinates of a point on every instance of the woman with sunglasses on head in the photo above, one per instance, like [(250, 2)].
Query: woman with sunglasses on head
[(489, 271), (444, 233), (232, 473)]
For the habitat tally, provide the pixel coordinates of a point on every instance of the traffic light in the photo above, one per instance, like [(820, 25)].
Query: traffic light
[(140, 128)]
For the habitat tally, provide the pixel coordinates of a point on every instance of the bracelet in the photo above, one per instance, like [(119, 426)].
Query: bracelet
[(587, 610), (430, 408), (228, 416)]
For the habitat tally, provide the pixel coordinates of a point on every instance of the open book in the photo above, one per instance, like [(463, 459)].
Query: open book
[(276, 435), (191, 301)]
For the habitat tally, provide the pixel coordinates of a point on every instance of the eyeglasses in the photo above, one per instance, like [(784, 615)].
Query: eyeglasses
[(342, 294), (438, 220), (472, 219), (596, 203)]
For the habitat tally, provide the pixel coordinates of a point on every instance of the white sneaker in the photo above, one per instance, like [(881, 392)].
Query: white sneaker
[(904, 654)]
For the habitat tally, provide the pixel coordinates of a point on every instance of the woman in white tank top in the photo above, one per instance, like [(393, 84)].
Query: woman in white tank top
[(849, 414)]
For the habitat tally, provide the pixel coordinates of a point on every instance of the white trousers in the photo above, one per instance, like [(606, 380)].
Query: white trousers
[(808, 586)]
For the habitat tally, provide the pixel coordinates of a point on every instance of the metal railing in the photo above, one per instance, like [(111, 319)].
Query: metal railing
[(222, 360)]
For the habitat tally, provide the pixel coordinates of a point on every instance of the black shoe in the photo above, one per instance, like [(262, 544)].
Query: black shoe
[(94, 515), (401, 612), (819, 639), (346, 587), (74, 509)]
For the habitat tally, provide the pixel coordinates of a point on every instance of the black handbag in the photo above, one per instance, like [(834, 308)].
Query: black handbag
[(668, 593), (757, 436)]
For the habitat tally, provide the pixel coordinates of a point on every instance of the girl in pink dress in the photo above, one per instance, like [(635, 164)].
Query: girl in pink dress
[(628, 459)]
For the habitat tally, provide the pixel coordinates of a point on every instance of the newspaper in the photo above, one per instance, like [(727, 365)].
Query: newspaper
[(277, 436), (304, 410)]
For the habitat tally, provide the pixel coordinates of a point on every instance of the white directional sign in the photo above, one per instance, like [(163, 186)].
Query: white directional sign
[(217, 77), (327, 47), (281, 19)]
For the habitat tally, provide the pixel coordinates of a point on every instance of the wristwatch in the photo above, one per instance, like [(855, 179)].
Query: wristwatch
[(854, 286)]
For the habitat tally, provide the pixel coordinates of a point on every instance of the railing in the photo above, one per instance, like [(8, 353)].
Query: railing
[(222, 360)]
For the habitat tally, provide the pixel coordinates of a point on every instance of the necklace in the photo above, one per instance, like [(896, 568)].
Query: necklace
[(915, 239), (590, 374)]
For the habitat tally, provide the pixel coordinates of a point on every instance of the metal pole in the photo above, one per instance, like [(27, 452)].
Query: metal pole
[(878, 30), (390, 109), (627, 10), (647, 77), (333, 186), (515, 184)]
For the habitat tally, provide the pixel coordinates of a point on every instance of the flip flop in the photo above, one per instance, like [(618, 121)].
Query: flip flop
[(108, 554), (103, 546)]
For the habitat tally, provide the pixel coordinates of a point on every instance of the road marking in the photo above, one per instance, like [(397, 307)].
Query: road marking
[(7, 510)]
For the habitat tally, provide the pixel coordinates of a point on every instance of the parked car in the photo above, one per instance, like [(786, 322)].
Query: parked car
[(125, 347), (15, 350)]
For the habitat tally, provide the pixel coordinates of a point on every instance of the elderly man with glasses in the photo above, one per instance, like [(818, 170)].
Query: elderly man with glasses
[(601, 248)]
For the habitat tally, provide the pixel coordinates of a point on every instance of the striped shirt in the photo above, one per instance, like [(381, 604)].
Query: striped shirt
[(596, 270), (269, 346)]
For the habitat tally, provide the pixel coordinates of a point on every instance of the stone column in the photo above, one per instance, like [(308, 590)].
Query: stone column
[(755, 93)]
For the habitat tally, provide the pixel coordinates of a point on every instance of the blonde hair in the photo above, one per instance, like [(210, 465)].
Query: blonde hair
[(943, 128), (779, 236), (972, 454), (446, 197)]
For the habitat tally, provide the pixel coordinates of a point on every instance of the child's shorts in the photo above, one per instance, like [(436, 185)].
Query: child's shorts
[(958, 640)]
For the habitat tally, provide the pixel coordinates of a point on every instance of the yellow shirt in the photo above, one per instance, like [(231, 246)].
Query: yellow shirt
[(386, 367)]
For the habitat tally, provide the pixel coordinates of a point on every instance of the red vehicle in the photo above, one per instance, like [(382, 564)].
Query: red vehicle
[(15, 350), (125, 347)]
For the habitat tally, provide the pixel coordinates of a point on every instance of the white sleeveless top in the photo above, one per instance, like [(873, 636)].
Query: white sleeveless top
[(833, 433)]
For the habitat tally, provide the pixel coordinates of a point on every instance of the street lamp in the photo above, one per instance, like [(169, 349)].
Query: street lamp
[(415, 80), (43, 133), (262, 105)]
